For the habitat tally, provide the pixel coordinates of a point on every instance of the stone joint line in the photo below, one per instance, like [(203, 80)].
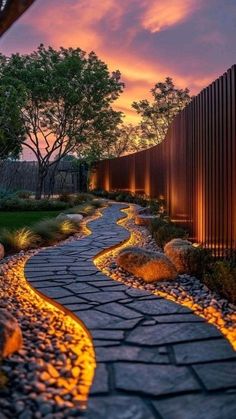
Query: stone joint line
[(155, 359)]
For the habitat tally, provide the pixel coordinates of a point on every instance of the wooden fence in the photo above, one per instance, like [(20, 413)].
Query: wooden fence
[(194, 168), (18, 175)]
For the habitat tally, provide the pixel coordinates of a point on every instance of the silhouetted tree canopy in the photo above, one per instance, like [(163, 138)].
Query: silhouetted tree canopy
[(64, 98), (156, 116)]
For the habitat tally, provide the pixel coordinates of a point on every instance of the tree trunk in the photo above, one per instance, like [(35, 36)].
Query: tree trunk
[(83, 177), (40, 183)]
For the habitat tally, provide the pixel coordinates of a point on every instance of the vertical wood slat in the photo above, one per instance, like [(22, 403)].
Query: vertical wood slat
[(194, 167)]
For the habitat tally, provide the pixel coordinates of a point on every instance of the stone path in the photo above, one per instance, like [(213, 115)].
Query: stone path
[(155, 358)]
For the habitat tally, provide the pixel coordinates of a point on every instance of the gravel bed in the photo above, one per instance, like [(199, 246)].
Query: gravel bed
[(50, 377), (186, 289)]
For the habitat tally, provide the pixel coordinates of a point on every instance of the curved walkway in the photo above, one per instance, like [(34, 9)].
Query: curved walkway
[(155, 359)]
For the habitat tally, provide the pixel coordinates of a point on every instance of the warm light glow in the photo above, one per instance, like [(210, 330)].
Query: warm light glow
[(132, 176), (200, 223), (147, 185), (210, 314), (81, 378), (107, 181)]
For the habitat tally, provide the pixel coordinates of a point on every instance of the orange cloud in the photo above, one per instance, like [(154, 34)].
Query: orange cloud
[(161, 14), (91, 24), (74, 24)]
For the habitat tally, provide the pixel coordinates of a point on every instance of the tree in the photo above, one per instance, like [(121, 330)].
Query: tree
[(63, 95), (127, 141), (11, 130), (120, 139), (157, 116)]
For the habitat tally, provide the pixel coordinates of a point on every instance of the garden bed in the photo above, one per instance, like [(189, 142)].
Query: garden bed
[(186, 289), (52, 373)]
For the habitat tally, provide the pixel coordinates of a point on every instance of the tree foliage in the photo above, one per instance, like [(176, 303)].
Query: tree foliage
[(116, 141), (156, 117), (66, 99), (11, 130)]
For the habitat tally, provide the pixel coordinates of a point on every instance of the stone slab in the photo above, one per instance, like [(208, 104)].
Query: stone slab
[(152, 379)]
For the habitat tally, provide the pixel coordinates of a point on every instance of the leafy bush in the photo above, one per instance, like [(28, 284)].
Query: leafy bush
[(14, 203), (50, 205), (83, 197), (222, 279), (122, 196), (47, 230), (84, 209), (97, 203), (100, 192), (156, 224), (4, 193), (167, 232), (66, 197), (197, 261), (17, 240), (23, 194), (77, 199)]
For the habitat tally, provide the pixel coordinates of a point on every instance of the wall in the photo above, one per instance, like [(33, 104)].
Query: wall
[(194, 168)]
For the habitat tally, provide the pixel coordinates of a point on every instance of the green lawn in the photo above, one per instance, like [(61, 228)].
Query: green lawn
[(14, 220)]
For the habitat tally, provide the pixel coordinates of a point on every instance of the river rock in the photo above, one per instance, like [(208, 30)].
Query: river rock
[(10, 334), (2, 251), (150, 266), (175, 250)]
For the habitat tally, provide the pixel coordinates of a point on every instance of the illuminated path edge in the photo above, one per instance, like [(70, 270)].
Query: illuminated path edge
[(155, 358)]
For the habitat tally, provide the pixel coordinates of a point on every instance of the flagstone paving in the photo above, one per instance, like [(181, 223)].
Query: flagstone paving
[(155, 358)]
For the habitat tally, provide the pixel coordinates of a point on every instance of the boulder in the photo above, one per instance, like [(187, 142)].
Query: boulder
[(145, 220), (175, 250), (76, 218), (2, 251), (10, 334), (145, 210), (150, 266)]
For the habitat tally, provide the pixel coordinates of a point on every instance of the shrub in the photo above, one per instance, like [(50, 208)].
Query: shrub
[(83, 197), (67, 227), (222, 279), (50, 205), (156, 224), (84, 209), (23, 194), (14, 203), (167, 232), (66, 197), (99, 192), (4, 193), (197, 261), (97, 203), (47, 230), (17, 240), (51, 230), (122, 196)]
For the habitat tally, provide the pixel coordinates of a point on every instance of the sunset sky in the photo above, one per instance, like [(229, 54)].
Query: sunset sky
[(192, 41)]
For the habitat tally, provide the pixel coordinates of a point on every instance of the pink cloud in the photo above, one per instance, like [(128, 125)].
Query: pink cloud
[(102, 26), (161, 14)]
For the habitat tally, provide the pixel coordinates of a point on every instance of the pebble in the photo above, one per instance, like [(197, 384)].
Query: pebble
[(33, 387), (186, 289)]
